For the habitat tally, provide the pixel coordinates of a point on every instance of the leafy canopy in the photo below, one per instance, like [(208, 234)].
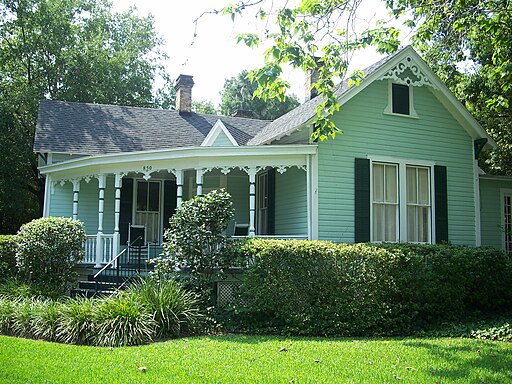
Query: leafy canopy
[(310, 34), (78, 50), (239, 93)]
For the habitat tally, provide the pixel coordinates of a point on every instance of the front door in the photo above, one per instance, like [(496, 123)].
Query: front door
[(147, 208)]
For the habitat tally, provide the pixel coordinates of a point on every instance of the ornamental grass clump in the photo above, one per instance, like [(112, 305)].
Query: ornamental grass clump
[(44, 319), (121, 320), (174, 309), (76, 322)]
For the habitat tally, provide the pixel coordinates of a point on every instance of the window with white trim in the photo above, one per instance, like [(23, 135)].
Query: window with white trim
[(400, 100), (401, 202)]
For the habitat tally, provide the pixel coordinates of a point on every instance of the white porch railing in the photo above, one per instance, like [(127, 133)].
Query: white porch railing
[(90, 249)]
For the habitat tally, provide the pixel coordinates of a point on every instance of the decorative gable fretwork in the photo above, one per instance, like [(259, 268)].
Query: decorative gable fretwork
[(408, 72)]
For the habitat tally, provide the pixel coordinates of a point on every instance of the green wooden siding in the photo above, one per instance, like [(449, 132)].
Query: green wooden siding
[(491, 214), (434, 136), (222, 141), (61, 200), (291, 203)]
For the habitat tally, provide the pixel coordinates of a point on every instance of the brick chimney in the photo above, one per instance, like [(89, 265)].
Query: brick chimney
[(312, 77), (183, 87)]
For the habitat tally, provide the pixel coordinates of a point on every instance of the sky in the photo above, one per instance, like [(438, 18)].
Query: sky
[(213, 55)]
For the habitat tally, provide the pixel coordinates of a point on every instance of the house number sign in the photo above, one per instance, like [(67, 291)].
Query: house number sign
[(147, 168)]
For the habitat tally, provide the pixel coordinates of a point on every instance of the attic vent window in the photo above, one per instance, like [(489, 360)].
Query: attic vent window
[(400, 99)]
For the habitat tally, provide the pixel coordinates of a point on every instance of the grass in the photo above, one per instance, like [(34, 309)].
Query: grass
[(242, 359)]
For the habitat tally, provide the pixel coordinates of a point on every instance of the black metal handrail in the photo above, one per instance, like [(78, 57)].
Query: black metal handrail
[(114, 265)]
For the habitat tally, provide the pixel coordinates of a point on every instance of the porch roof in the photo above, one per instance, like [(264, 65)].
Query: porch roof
[(148, 162)]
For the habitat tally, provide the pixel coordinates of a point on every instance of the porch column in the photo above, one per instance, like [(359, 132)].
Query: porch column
[(252, 201), (101, 206), (199, 181), (179, 186), (117, 210), (76, 190)]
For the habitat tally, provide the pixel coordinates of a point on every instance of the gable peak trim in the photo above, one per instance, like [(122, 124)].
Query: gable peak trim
[(418, 79), (216, 130)]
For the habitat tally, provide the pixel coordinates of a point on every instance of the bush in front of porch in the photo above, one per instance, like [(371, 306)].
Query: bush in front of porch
[(48, 250), (195, 240)]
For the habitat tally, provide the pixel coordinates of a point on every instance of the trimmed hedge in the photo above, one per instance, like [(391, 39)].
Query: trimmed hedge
[(322, 288), (7, 256)]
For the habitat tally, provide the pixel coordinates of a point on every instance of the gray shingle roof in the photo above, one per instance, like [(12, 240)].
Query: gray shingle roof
[(304, 112), (92, 129)]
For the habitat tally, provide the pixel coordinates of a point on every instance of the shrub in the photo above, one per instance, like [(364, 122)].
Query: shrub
[(195, 239), (76, 323), (174, 309), (322, 288), (48, 251), (122, 320), (7, 256)]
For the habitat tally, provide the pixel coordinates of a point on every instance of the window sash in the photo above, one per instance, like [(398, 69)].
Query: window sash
[(418, 204), (385, 202)]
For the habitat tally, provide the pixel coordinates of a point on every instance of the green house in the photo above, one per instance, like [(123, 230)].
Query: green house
[(404, 170)]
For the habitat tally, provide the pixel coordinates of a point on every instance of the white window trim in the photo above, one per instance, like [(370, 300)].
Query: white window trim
[(402, 192), (503, 192), (389, 108), (217, 128)]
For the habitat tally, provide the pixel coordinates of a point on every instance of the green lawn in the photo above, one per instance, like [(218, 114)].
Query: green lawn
[(242, 359)]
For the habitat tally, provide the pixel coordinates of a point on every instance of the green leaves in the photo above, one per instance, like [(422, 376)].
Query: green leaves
[(298, 35), (48, 251), (243, 92)]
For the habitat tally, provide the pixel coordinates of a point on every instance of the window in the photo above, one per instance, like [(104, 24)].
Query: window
[(401, 202), (400, 99)]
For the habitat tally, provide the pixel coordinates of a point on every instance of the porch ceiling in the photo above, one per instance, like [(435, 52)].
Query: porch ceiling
[(150, 162)]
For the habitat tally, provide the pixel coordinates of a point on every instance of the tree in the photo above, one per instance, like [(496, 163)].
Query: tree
[(469, 45), (238, 93), (297, 34), (65, 50), (204, 106)]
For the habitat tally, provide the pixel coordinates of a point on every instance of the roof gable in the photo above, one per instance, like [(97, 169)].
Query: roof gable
[(404, 67), (219, 136)]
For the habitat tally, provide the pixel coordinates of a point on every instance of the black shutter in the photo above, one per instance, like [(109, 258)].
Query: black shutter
[(441, 200), (170, 191), (125, 216), (362, 201), (271, 193)]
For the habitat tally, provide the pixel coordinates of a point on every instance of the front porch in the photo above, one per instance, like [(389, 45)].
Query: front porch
[(270, 200)]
